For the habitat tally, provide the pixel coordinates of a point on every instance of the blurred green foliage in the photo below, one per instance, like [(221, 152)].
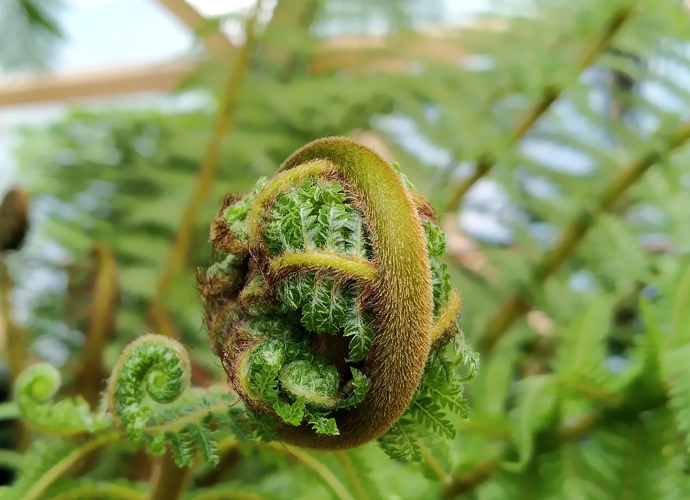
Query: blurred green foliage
[(585, 395)]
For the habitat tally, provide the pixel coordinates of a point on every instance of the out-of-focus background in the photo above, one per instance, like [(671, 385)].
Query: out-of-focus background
[(549, 135)]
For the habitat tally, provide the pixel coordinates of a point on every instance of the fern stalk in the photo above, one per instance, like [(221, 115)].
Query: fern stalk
[(15, 345), (516, 304), (169, 481), (466, 481), (345, 462), (59, 469), (101, 324), (433, 463), (14, 342), (207, 172), (595, 47), (330, 479)]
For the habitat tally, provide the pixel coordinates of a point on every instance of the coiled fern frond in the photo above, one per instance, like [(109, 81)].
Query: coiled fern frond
[(329, 300), (150, 398), (34, 390)]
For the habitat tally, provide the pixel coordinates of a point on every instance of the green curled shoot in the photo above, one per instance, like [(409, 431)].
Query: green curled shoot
[(339, 302), (33, 392), (150, 398)]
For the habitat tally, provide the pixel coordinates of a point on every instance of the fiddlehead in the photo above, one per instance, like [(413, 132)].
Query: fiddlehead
[(330, 298), (34, 389), (150, 399)]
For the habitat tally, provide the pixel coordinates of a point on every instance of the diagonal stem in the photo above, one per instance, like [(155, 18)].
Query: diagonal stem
[(324, 473), (169, 481), (596, 46), (16, 348), (15, 344), (516, 304), (207, 172), (360, 490), (102, 312)]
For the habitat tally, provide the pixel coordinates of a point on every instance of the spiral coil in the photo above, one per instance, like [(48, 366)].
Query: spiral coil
[(329, 295)]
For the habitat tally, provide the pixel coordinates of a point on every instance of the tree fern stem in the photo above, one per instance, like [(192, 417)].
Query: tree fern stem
[(466, 481), (516, 304), (207, 171), (169, 481), (351, 474), (433, 463), (14, 343), (315, 465), (59, 469), (101, 324), (15, 347), (596, 46)]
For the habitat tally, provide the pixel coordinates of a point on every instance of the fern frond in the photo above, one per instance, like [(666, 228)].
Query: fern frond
[(536, 409), (33, 392), (149, 396), (400, 442)]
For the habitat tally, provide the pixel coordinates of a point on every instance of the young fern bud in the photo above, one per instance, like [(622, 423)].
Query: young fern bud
[(156, 371), (330, 296), (150, 398), (33, 391)]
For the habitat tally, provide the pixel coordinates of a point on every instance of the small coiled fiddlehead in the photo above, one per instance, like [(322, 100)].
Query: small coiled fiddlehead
[(33, 393), (150, 399), (330, 299)]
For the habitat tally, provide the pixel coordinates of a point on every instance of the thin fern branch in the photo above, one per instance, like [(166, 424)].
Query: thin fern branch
[(207, 172), (466, 481), (169, 480), (433, 463), (101, 324), (59, 469), (596, 46), (351, 474), (15, 348), (330, 479), (516, 304)]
